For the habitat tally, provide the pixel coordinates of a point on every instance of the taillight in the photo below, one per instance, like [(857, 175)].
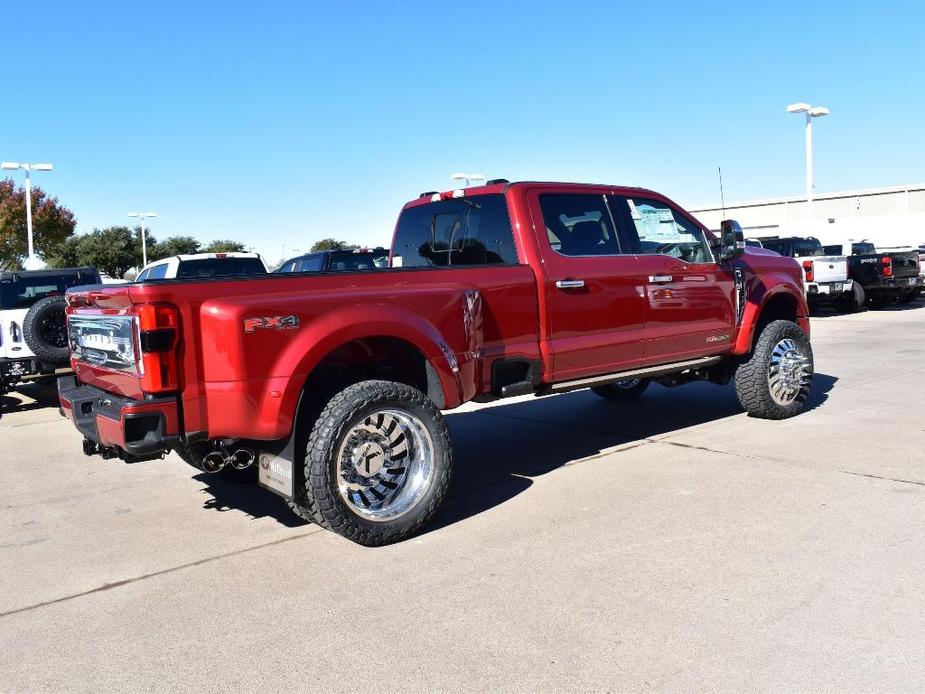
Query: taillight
[(886, 266), (808, 270), (158, 334)]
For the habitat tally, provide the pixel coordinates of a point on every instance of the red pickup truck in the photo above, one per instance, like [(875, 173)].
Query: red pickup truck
[(333, 382)]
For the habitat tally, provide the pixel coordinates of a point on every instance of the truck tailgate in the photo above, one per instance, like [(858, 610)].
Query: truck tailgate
[(830, 268)]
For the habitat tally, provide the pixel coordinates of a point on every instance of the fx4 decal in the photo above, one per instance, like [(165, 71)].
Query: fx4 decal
[(290, 322)]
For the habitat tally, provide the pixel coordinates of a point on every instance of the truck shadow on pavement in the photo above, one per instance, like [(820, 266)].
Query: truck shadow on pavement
[(499, 449), (34, 396)]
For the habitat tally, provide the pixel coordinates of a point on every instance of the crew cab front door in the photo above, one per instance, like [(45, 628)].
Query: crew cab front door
[(594, 302), (689, 296)]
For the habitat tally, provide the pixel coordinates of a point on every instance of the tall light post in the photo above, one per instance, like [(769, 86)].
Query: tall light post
[(144, 243), (467, 177), (32, 262), (811, 112)]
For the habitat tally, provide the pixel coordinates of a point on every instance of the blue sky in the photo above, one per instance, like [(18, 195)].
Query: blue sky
[(284, 122)]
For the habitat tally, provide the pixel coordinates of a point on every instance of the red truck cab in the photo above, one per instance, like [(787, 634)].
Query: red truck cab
[(492, 291)]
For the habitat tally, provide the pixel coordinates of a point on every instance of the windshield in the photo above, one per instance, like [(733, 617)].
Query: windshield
[(862, 248), (219, 267)]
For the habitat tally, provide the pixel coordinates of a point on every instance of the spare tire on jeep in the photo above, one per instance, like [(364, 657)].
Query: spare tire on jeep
[(45, 330)]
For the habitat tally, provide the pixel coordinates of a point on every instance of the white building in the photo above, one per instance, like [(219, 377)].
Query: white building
[(888, 217)]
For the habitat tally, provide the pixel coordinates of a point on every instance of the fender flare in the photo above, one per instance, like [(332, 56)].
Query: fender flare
[(327, 333), (753, 310)]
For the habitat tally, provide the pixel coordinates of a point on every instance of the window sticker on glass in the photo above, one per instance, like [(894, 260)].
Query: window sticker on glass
[(396, 261)]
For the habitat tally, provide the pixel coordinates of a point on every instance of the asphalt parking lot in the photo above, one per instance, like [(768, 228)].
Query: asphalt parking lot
[(672, 544)]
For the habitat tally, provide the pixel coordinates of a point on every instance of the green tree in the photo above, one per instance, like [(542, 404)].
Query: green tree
[(112, 250), (225, 246), (64, 254), (329, 245), (173, 245), (52, 223)]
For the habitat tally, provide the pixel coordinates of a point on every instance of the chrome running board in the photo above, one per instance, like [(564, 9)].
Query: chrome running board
[(647, 372)]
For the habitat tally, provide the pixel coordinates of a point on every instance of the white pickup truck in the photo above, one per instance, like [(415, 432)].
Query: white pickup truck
[(825, 277)]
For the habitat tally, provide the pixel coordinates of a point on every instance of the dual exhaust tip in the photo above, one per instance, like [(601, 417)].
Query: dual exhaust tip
[(241, 459)]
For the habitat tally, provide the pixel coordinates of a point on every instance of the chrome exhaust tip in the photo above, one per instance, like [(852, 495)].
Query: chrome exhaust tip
[(241, 459), (214, 461)]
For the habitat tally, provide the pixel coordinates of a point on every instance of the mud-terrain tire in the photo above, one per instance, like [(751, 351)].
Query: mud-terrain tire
[(398, 431), (45, 330), (774, 382), (622, 390)]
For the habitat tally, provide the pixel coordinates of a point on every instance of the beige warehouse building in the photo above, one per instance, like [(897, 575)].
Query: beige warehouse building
[(888, 217)]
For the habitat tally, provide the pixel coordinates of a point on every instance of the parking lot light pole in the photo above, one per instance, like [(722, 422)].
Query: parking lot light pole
[(32, 262), (467, 177), (811, 112), (144, 243)]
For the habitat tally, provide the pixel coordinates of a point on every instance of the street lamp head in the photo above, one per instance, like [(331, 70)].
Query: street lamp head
[(817, 111), (798, 108), (149, 214), (133, 214), (9, 165), (476, 177), (42, 167), (458, 176)]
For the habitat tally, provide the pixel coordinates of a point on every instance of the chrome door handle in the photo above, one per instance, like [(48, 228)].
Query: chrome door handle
[(660, 279), (570, 284)]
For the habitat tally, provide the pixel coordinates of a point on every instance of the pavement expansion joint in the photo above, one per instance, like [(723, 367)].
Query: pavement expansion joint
[(154, 574)]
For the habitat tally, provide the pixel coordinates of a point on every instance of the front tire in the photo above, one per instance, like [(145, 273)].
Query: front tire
[(377, 464), (775, 380)]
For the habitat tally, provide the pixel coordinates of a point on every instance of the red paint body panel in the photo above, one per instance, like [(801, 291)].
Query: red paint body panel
[(237, 383)]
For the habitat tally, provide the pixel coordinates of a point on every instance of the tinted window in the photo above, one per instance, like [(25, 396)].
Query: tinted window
[(218, 267), (310, 263), (779, 246), (352, 261), (664, 231), (807, 247), (862, 248), (579, 225), (462, 231), (143, 276), (27, 290), (158, 272)]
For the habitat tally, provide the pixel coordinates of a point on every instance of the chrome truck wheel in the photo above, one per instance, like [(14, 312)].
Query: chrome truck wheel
[(786, 371), (774, 382), (378, 462), (385, 465)]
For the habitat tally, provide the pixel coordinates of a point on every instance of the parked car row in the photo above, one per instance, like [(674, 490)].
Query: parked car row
[(853, 274)]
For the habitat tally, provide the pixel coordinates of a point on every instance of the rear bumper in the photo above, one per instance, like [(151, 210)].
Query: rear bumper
[(896, 284), (135, 428), (16, 368), (832, 289)]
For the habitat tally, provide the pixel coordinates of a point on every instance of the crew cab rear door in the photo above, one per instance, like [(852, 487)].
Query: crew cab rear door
[(593, 289), (689, 296)]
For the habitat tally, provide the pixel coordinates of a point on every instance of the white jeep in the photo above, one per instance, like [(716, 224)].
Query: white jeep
[(33, 330)]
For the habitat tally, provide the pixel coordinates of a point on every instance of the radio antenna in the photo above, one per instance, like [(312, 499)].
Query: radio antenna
[(722, 198)]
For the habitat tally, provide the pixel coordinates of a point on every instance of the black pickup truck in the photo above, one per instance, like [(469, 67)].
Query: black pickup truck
[(885, 277)]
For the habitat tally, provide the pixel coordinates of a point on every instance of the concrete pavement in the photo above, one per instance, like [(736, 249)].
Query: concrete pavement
[(670, 544)]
